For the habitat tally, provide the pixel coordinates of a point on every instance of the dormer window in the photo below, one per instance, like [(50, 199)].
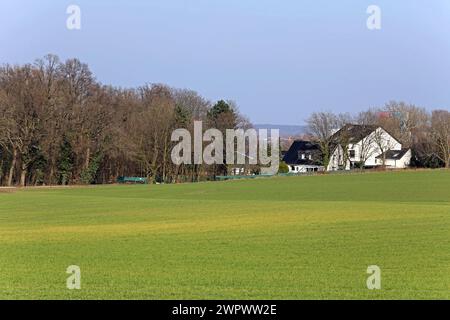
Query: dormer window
[(303, 156)]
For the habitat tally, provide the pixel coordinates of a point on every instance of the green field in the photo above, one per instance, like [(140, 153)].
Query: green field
[(280, 238)]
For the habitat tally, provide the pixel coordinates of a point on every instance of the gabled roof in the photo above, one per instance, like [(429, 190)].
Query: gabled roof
[(393, 154), (353, 133), (299, 146)]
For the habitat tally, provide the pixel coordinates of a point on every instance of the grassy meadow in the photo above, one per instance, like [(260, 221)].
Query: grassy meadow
[(309, 237)]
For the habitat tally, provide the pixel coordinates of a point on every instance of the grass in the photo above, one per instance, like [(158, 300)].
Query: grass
[(281, 238)]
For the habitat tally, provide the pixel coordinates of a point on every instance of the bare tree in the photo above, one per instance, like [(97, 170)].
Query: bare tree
[(50, 81), (367, 121), (154, 124), (440, 124), (322, 125), (404, 121), (383, 142), (344, 138), (23, 128)]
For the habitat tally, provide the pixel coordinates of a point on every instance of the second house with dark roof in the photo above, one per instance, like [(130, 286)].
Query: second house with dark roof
[(303, 157)]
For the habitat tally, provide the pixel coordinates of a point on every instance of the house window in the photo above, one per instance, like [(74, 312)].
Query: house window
[(310, 157), (352, 154), (303, 156)]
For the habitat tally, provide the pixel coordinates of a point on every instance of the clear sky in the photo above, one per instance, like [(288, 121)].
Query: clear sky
[(278, 59)]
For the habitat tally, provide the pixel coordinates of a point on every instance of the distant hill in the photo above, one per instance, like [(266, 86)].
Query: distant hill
[(285, 130)]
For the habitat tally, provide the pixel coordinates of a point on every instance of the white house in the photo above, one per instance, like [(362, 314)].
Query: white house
[(366, 146)]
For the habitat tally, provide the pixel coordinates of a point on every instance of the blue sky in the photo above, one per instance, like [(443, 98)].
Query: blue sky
[(279, 60)]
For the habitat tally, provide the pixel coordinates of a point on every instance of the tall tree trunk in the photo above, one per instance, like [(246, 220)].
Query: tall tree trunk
[(88, 158), (11, 169), (51, 174), (1, 171), (23, 175)]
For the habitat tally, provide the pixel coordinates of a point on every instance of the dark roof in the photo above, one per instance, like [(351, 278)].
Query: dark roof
[(394, 154), (353, 133), (299, 146)]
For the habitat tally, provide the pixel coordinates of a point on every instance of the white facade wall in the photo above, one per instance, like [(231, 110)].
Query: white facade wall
[(405, 162), (370, 146), (337, 160)]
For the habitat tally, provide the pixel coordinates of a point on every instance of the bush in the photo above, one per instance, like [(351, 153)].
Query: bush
[(283, 168)]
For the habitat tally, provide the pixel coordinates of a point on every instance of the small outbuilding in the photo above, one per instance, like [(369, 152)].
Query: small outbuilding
[(398, 159)]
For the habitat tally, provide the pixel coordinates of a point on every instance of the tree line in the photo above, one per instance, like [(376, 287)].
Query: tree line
[(426, 133), (58, 125)]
